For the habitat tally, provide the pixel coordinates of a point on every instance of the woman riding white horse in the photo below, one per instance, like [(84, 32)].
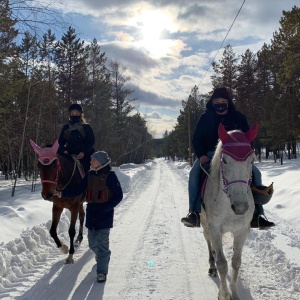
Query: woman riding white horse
[(219, 109), (229, 204)]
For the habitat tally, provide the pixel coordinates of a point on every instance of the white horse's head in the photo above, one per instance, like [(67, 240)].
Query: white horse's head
[(232, 164)]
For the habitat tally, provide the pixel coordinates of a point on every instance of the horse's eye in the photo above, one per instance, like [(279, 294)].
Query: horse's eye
[(224, 161)]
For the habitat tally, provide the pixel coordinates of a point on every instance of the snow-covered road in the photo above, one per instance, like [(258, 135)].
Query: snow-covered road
[(153, 255)]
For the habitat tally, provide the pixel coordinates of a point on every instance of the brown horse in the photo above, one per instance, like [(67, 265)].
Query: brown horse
[(58, 172)]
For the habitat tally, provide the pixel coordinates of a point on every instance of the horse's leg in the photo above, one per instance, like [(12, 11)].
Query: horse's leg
[(212, 271), (221, 263), (56, 213), (72, 232), (238, 243), (81, 221)]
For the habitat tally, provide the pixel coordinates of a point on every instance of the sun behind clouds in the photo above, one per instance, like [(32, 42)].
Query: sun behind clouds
[(151, 25)]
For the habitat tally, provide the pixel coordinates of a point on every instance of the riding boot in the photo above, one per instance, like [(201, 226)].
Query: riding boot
[(258, 221), (192, 219)]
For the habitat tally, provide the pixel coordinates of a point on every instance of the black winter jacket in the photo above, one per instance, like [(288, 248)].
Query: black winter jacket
[(76, 142), (99, 215), (206, 137)]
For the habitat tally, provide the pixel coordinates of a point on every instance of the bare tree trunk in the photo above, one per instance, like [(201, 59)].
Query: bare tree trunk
[(22, 142), (34, 173)]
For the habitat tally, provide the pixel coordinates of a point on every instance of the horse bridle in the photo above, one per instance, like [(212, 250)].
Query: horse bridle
[(227, 183), (47, 160)]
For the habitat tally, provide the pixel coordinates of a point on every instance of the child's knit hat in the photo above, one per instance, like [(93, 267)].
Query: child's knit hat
[(102, 157)]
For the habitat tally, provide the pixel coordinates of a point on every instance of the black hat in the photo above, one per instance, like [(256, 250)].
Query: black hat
[(221, 92), (75, 106)]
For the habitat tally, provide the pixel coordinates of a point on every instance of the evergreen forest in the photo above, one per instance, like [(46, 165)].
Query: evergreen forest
[(265, 86), (41, 75)]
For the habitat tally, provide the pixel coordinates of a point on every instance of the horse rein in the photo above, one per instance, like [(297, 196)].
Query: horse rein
[(73, 172)]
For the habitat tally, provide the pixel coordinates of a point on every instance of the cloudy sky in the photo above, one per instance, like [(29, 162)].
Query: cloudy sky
[(167, 46)]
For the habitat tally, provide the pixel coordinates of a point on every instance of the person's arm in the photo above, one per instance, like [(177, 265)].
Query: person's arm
[(112, 182), (198, 137), (89, 138), (61, 140)]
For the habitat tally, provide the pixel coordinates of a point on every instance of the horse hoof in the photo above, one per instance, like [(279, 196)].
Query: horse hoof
[(212, 272), (78, 241), (64, 249), (69, 261)]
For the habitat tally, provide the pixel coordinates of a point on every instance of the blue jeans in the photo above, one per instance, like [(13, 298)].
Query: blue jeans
[(257, 182), (194, 185), (99, 244), (256, 176)]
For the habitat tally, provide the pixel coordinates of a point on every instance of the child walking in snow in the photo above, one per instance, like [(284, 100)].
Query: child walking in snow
[(104, 193)]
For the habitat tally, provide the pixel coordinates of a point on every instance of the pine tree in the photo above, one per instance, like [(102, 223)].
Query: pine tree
[(187, 121), (121, 104), (70, 58), (99, 105), (246, 92), (8, 56), (226, 70), (10, 85), (50, 111), (285, 53)]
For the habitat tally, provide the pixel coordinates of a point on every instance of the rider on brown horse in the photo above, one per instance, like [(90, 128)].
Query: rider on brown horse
[(77, 137)]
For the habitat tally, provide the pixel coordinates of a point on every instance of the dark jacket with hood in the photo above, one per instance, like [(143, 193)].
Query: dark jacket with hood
[(206, 137), (99, 215), (76, 138)]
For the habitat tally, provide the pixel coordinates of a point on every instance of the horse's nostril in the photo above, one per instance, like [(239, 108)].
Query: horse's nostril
[(49, 196), (233, 207)]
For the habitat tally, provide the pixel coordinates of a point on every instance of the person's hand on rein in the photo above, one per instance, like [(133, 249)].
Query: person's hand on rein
[(203, 159), (80, 155)]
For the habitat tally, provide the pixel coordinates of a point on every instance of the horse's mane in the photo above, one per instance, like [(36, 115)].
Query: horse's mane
[(64, 156), (216, 160), (216, 163)]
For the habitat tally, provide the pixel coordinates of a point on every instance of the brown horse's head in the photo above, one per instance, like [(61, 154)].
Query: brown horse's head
[(49, 167)]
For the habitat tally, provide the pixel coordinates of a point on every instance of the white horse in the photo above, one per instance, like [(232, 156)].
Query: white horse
[(229, 204)]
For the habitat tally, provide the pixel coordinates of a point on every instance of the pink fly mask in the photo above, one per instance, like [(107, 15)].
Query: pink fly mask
[(46, 155), (237, 144)]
